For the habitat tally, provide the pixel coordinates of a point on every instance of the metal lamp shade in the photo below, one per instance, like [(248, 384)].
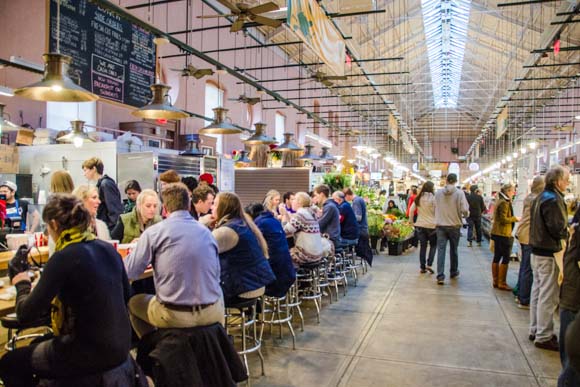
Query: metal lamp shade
[(5, 125), (243, 158), (77, 136), (308, 155), (192, 146), (219, 124), (55, 84), (160, 107), (259, 138), (288, 145), (325, 156)]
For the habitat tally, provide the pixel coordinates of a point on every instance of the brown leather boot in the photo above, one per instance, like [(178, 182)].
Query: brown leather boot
[(494, 273), (502, 284)]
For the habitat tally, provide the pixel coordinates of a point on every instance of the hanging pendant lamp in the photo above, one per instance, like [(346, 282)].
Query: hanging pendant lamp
[(243, 158), (308, 155), (325, 155), (219, 124), (6, 125), (56, 85), (77, 136), (259, 137), (288, 145), (160, 106)]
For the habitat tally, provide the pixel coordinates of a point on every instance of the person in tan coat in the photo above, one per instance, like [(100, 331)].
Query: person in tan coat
[(501, 234), (525, 276)]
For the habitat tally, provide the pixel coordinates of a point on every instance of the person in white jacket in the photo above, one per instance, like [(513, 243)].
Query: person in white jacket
[(450, 207), (424, 203)]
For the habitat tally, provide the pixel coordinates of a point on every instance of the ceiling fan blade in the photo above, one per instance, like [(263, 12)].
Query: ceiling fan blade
[(237, 26), (263, 8), (326, 83), (225, 3), (337, 77), (215, 16), (267, 21), (253, 101)]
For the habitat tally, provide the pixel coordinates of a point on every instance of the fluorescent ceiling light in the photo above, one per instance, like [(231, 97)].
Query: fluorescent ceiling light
[(445, 23)]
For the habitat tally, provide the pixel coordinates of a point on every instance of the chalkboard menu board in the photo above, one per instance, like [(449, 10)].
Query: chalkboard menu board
[(111, 57)]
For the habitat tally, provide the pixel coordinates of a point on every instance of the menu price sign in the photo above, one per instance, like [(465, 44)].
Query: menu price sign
[(111, 57)]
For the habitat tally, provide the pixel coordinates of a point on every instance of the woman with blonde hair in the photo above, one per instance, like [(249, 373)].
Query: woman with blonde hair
[(308, 242), (61, 182), (243, 251), (501, 234), (89, 195), (272, 201), (131, 225)]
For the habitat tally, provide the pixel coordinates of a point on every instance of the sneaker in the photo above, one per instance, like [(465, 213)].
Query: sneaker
[(455, 275), (440, 281), (430, 270), (532, 337), (423, 271), (469, 244), (478, 244), (524, 306), (549, 345)]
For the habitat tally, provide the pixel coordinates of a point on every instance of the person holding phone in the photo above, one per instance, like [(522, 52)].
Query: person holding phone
[(17, 209)]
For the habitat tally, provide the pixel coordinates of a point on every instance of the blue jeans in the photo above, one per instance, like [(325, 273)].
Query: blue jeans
[(474, 223), (444, 234), (427, 236), (568, 377), (526, 276)]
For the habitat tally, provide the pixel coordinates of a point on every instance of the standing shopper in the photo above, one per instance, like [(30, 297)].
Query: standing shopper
[(450, 206), (501, 234), (111, 206), (569, 306), (525, 276), (548, 233), (86, 285), (425, 225), (363, 248), (186, 270), (476, 209)]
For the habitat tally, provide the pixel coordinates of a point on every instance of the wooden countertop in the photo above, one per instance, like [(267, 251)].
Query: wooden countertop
[(40, 255)]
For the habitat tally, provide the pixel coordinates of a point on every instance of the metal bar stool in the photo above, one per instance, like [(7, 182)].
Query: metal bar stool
[(337, 272), (309, 287), (280, 314), (245, 320), (293, 301), (324, 282), (15, 327), (351, 264)]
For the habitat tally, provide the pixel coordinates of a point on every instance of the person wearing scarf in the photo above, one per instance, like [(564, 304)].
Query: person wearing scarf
[(85, 286), (501, 234)]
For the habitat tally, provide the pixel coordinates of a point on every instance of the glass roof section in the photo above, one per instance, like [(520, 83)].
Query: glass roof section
[(445, 23)]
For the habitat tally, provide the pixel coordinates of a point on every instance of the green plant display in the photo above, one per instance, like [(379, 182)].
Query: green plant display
[(375, 221), (336, 181)]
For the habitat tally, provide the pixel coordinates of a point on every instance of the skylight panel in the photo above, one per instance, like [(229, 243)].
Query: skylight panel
[(445, 23)]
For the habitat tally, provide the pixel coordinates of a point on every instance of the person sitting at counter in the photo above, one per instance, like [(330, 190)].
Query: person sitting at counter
[(186, 270), (245, 272), (280, 260), (272, 201), (132, 190), (87, 286), (90, 198), (201, 200), (61, 182), (145, 214), (17, 209)]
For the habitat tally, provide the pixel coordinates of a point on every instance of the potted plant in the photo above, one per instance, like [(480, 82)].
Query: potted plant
[(375, 221)]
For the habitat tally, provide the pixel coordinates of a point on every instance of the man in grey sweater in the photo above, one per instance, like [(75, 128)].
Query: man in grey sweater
[(450, 206), (329, 222)]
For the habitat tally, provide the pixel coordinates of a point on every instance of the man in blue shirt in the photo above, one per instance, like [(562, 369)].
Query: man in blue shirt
[(186, 269), (349, 231)]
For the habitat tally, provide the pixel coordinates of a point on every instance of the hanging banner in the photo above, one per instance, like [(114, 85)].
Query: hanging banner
[(501, 123), (310, 23), (393, 127)]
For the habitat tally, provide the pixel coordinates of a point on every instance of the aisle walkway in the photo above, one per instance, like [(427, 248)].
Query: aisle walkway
[(398, 328)]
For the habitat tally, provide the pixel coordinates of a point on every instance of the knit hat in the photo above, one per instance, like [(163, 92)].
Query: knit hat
[(13, 187), (207, 178)]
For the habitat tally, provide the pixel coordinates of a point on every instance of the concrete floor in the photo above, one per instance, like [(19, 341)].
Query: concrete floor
[(398, 328)]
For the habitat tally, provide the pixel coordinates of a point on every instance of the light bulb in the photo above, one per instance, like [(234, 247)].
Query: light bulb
[(515, 154), (523, 151), (509, 158), (533, 145), (56, 88), (78, 142), (577, 117), (503, 161)]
